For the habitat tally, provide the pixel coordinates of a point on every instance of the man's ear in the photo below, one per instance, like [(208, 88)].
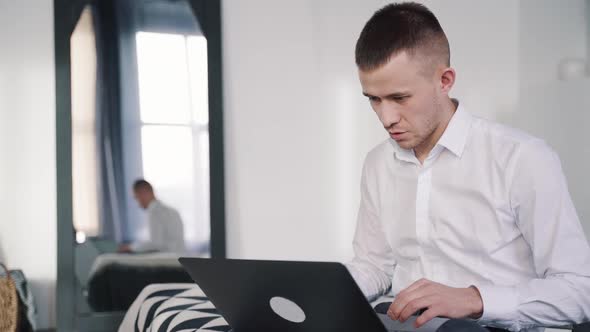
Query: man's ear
[(447, 79)]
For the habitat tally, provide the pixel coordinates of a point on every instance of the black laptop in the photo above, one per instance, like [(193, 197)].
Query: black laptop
[(261, 296)]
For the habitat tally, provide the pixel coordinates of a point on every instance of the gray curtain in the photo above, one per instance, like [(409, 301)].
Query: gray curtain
[(112, 191)]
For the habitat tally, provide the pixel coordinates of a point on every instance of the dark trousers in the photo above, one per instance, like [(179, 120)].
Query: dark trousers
[(463, 325)]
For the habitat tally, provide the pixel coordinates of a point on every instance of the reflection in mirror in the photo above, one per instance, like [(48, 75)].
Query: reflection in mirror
[(139, 110)]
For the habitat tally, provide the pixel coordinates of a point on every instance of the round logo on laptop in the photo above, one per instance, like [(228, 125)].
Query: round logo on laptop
[(287, 309)]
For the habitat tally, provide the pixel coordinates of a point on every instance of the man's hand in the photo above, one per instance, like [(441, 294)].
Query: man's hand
[(124, 248), (438, 300)]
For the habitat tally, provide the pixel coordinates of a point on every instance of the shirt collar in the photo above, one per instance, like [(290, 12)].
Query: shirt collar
[(453, 139), (153, 204), (403, 154), (455, 136)]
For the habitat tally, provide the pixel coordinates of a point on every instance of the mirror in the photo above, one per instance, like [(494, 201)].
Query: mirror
[(140, 76), (154, 127)]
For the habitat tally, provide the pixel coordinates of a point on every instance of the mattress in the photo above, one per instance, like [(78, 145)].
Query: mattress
[(116, 280)]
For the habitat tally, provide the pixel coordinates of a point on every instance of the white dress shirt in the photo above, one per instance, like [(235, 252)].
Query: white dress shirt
[(165, 229), (489, 207)]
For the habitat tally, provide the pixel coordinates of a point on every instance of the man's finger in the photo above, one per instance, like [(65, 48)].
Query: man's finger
[(401, 301), (427, 315), (413, 306)]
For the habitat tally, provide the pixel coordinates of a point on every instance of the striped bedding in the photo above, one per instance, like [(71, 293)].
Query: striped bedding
[(173, 308)]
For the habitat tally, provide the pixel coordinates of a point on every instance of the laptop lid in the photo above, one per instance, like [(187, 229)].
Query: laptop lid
[(255, 296)]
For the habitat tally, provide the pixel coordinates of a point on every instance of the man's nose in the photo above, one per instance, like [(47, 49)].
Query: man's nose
[(389, 114)]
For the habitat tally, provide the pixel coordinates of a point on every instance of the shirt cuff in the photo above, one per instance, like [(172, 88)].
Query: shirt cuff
[(499, 304)]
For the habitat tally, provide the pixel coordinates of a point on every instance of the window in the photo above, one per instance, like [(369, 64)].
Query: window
[(173, 99), (84, 141)]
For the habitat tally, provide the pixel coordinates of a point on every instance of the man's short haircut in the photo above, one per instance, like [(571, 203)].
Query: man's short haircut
[(399, 27), (142, 184)]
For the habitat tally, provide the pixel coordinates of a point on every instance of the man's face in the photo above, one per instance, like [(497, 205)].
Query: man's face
[(143, 197), (405, 99)]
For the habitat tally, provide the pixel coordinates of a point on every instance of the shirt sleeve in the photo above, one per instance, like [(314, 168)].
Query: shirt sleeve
[(373, 263), (547, 219)]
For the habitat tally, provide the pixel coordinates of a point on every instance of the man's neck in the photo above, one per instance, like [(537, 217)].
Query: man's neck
[(423, 150), (152, 201)]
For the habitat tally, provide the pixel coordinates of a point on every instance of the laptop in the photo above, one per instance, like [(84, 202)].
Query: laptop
[(289, 296)]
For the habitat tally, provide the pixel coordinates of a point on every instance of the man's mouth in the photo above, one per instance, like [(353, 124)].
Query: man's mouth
[(397, 135)]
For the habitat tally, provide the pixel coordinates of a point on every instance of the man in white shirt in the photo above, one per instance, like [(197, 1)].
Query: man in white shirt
[(459, 216), (166, 232)]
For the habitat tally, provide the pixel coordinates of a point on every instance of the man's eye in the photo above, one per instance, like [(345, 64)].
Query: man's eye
[(400, 98), (373, 99)]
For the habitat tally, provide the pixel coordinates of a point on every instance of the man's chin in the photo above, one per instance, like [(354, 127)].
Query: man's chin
[(406, 145)]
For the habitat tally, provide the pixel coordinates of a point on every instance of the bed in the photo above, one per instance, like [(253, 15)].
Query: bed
[(115, 280), (185, 307), (106, 283)]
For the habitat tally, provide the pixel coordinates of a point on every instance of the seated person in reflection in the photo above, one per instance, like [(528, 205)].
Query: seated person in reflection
[(164, 222)]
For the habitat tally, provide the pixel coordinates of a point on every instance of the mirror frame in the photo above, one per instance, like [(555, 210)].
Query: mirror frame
[(66, 15)]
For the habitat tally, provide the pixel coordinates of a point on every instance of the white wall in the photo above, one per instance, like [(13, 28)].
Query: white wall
[(557, 110), (297, 127), (284, 117), (27, 147)]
